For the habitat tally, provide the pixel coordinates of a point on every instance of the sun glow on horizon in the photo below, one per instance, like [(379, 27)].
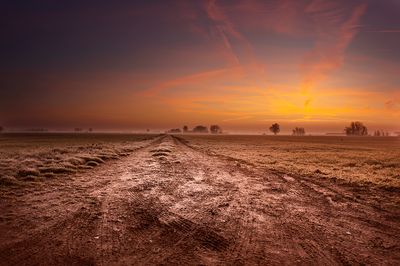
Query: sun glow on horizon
[(240, 64)]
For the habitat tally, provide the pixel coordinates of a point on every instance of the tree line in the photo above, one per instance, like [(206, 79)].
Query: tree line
[(214, 129), (354, 129)]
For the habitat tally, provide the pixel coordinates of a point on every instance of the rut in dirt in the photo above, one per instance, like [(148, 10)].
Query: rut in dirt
[(169, 203)]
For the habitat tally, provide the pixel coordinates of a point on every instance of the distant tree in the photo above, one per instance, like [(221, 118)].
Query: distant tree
[(78, 129), (90, 129), (200, 129), (174, 130), (299, 131), (185, 129), (381, 133), (215, 129), (356, 129), (275, 128)]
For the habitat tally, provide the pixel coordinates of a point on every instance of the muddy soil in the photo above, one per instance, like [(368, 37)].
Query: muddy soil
[(171, 204)]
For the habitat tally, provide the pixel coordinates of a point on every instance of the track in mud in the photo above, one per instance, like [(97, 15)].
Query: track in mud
[(168, 203)]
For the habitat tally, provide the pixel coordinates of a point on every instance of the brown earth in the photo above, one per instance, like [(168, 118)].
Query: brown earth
[(168, 203)]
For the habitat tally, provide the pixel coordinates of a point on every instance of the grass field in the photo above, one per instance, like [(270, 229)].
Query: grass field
[(28, 157), (32, 157), (373, 160)]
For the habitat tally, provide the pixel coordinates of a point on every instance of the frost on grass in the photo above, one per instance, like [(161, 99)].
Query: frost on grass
[(29, 159), (353, 159)]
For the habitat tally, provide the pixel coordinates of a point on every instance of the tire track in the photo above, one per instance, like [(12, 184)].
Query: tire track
[(171, 204)]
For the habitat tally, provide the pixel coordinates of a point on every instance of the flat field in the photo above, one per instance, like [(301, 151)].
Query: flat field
[(120, 199), (374, 160)]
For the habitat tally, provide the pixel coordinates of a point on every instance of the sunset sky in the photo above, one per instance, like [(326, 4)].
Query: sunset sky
[(242, 64)]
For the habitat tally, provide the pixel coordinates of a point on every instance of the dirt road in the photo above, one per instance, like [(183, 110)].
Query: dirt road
[(168, 203)]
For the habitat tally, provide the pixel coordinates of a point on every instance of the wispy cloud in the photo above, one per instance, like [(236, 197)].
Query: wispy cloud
[(195, 78), (235, 48), (223, 28), (335, 29)]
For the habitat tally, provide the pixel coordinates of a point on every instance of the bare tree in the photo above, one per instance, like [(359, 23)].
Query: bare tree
[(356, 129), (299, 131), (185, 129), (200, 129), (381, 133), (275, 128), (174, 130), (215, 129)]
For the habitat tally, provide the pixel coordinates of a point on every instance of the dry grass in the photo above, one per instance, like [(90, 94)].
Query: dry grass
[(29, 157), (354, 159)]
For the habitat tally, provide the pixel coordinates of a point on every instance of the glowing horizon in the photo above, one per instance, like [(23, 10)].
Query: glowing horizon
[(245, 64)]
